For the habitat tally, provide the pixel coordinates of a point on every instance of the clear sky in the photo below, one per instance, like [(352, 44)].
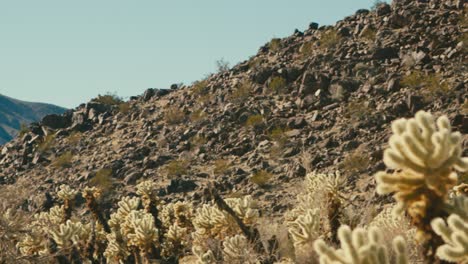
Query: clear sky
[(66, 52)]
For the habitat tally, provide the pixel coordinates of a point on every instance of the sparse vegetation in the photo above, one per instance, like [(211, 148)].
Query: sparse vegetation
[(369, 34), (108, 99), (261, 178), (200, 88), (24, 129), (242, 92), (277, 84), (124, 107), (75, 137), (221, 166), (177, 168), (46, 143), (275, 45), (429, 85), (307, 49), (357, 110), (356, 161), (222, 65), (102, 179), (197, 115), (254, 121), (329, 39), (174, 115), (63, 161)]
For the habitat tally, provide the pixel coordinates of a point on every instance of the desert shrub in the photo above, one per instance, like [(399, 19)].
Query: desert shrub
[(369, 34), (47, 143), (242, 92), (254, 121), (255, 62), (307, 49), (222, 65), (102, 179), (329, 39), (221, 166), (177, 168), (275, 44), (356, 161), (124, 107), (278, 135), (75, 137), (63, 161), (197, 115), (108, 99), (277, 84), (261, 178), (198, 141), (357, 110), (376, 4), (429, 85), (23, 130), (174, 115), (200, 88), (424, 155)]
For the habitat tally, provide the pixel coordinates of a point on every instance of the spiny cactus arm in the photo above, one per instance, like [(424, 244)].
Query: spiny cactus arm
[(400, 248), (455, 236), (252, 235), (306, 228), (235, 248), (204, 257), (327, 254)]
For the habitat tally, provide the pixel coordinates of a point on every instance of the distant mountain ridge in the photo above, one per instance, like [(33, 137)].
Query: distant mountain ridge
[(15, 112)]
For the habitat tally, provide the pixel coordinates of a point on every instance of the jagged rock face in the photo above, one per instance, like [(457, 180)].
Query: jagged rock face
[(320, 99), (13, 113)]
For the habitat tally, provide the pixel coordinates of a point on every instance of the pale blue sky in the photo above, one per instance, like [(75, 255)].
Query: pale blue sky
[(66, 52)]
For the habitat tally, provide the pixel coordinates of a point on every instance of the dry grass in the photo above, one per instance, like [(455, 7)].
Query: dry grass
[(174, 116), (356, 161), (428, 85), (23, 129), (63, 161), (329, 39), (275, 45), (177, 168), (221, 166), (108, 99), (103, 180), (197, 115), (200, 88), (47, 143), (261, 178), (277, 85), (124, 108), (369, 35), (75, 137), (242, 92), (254, 121), (357, 110), (307, 49)]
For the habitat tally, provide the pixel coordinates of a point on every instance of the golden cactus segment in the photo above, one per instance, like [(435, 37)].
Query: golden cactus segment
[(306, 228), (70, 233), (66, 193), (425, 152), (237, 249), (455, 236), (140, 230), (359, 246), (126, 205), (204, 257)]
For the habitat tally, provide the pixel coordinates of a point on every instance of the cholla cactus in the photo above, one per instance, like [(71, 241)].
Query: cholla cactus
[(71, 233), (360, 247), (326, 183), (176, 240), (147, 191), (455, 236), (460, 206), (126, 205), (140, 230), (237, 250), (180, 213), (209, 221), (204, 257), (66, 193), (425, 155), (306, 228), (33, 244), (245, 208), (116, 251), (91, 193), (45, 220)]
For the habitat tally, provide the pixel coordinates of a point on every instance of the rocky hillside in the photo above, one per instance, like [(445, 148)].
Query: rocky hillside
[(14, 112), (322, 99)]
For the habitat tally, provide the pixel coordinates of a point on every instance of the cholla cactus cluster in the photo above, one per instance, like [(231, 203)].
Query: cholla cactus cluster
[(306, 228), (237, 250), (424, 153), (359, 246), (209, 221), (455, 236)]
